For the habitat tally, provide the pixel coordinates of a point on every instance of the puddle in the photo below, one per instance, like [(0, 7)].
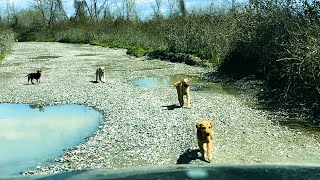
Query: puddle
[(5, 75), (302, 125), (46, 57), (30, 135), (9, 64), (197, 84), (87, 55)]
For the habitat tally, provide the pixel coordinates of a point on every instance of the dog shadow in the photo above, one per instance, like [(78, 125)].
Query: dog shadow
[(171, 107), (189, 155), (94, 81)]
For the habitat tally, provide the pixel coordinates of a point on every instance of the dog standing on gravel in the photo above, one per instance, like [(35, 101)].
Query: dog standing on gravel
[(205, 135), (100, 74), (183, 89), (35, 76)]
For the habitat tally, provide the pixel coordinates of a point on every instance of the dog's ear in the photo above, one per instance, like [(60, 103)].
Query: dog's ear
[(211, 123), (189, 80), (198, 123), (177, 83)]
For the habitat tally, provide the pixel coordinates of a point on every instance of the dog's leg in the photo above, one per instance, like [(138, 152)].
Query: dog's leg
[(32, 80), (210, 151), (180, 97), (103, 77), (97, 78), (200, 144), (205, 151), (188, 101)]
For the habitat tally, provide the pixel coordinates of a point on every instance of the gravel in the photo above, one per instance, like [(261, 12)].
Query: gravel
[(136, 129)]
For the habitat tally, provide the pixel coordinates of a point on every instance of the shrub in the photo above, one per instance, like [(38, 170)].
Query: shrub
[(6, 40), (136, 50)]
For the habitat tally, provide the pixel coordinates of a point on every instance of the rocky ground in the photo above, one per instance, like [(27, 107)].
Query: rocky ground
[(138, 129)]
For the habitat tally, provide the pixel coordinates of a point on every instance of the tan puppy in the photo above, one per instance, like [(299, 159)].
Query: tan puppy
[(205, 137), (183, 89), (100, 75)]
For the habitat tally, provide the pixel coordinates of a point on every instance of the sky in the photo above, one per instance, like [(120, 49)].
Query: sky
[(143, 6)]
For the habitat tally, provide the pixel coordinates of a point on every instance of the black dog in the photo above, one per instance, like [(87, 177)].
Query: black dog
[(35, 76)]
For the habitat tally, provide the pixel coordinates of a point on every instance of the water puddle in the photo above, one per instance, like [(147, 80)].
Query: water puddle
[(46, 57), (302, 125), (5, 75), (30, 135), (197, 84), (87, 54)]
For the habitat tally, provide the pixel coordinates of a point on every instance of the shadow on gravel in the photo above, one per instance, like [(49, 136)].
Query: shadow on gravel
[(31, 84), (171, 107), (94, 81), (188, 156)]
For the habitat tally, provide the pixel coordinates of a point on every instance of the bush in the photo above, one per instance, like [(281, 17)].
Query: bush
[(6, 40), (136, 50), (74, 35)]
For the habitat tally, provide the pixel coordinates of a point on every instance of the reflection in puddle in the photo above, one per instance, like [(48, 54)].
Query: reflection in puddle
[(197, 84), (40, 107), (29, 136)]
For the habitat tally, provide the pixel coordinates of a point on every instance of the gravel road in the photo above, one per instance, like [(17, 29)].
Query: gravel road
[(137, 129)]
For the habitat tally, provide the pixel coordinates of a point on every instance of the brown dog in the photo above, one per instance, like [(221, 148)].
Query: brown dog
[(183, 89), (205, 137), (35, 76)]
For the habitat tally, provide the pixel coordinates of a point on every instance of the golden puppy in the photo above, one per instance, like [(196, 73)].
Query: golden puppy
[(205, 137), (183, 89), (100, 75)]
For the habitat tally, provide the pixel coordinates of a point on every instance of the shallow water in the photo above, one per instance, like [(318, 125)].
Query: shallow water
[(46, 57), (302, 125), (197, 84), (30, 135)]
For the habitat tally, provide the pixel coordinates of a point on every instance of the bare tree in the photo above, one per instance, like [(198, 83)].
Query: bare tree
[(51, 11), (156, 8), (233, 4), (11, 14), (95, 10), (182, 8), (80, 8), (172, 7), (126, 9), (129, 9)]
